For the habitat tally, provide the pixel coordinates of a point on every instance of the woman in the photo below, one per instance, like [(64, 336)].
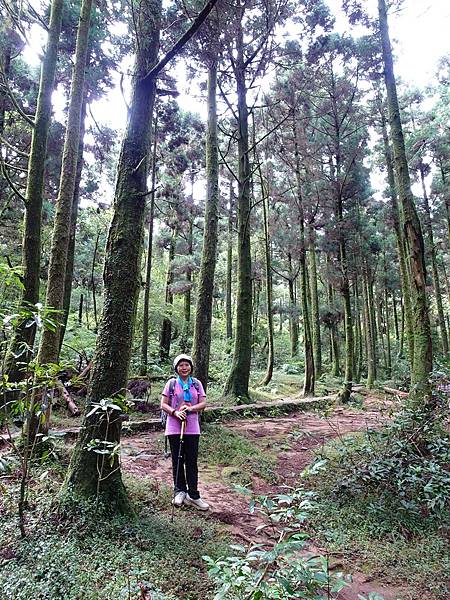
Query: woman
[(182, 399)]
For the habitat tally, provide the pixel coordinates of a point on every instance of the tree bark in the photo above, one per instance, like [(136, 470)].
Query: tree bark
[(49, 343), (228, 298), (423, 354), (269, 287), (73, 228), (315, 312), (309, 379), (166, 326), (238, 378), (358, 335), (31, 248), (402, 258), (371, 371), (203, 313), (293, 317), (122, 279), (434, 269), (148, 267)]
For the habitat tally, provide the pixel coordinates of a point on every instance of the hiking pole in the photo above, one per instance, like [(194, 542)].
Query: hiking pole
[(180, 448)]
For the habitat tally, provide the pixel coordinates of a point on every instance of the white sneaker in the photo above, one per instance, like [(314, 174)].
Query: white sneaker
[(179, 498), (199, 504)]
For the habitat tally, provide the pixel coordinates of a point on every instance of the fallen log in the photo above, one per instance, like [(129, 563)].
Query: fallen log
[(71, 406), (394, 392)]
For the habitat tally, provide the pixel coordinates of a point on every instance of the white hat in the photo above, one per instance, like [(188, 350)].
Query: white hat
[(181, 357)]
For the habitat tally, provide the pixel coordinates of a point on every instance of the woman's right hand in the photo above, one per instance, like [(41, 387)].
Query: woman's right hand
[(180, 414)]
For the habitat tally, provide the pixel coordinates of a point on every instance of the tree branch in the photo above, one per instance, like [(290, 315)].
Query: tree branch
[(196, 24), (11, 183)]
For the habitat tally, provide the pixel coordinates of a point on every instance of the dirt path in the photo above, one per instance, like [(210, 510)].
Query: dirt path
[(295, 439)]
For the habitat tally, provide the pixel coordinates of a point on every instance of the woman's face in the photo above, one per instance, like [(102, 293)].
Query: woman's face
[(184, 368)]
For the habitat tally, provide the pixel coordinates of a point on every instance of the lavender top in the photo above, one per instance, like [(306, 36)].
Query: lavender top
[(173, 425)]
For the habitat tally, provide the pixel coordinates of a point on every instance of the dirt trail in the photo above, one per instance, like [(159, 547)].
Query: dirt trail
[(295, 439)]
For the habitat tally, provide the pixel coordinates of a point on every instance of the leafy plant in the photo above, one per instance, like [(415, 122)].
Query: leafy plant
[(282, 569)]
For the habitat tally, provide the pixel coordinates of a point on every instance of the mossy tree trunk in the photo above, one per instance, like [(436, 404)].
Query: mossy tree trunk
[(388, 333), (371, 370), (73, 227), (6, 53), (434, 269), (31, 247), (315, 312), (165, 338), (423, 354), (309, 379), (293, 312), (204, 309), (265, 192), (334, 338), (238, 378), (187, 303), (402, 258), (122, 282), (148, 266), (49, 343), (228, 296), (358, 334)]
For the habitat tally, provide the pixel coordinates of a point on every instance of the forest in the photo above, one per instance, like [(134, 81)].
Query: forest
[(253, 184)]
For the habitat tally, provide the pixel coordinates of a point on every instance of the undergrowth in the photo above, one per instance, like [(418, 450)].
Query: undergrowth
[(221, 446), (91, 557), (383, 498)]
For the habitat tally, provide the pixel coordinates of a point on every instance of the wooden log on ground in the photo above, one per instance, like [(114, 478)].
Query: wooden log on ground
[(394, 392)]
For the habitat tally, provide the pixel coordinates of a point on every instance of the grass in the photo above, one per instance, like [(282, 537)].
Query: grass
[(419, 562), (388, 532), (87, 556), (221, 446)]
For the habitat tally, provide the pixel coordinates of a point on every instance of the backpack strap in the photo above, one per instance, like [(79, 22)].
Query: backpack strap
[(196, 384), (171, 389)]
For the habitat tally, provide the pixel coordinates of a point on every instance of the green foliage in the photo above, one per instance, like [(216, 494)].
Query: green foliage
[(88, 556), (221, 446), (283, 570), (401, 472)]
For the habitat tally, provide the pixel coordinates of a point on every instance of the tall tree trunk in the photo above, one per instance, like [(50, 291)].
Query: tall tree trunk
[(31, 249), (334, 339), (122, 279), (6, 51), (394, 310), (184, 342), (228, 303), (203, 313), (73, 228), (432, 248), (371, 371), (379, 320), (293, 316), (166, 326), (372, 318), (315, 312), (148, 266), (49, 344), (238, 378), (309, 380), (402, 258), (423, 354), (358, 335), (388, 333), (402, 329), (269, 286)]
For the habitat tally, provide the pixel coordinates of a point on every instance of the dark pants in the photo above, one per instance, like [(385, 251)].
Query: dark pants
[(188, 470)]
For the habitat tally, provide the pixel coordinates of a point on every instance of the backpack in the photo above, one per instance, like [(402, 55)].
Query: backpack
[(195, 383)]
